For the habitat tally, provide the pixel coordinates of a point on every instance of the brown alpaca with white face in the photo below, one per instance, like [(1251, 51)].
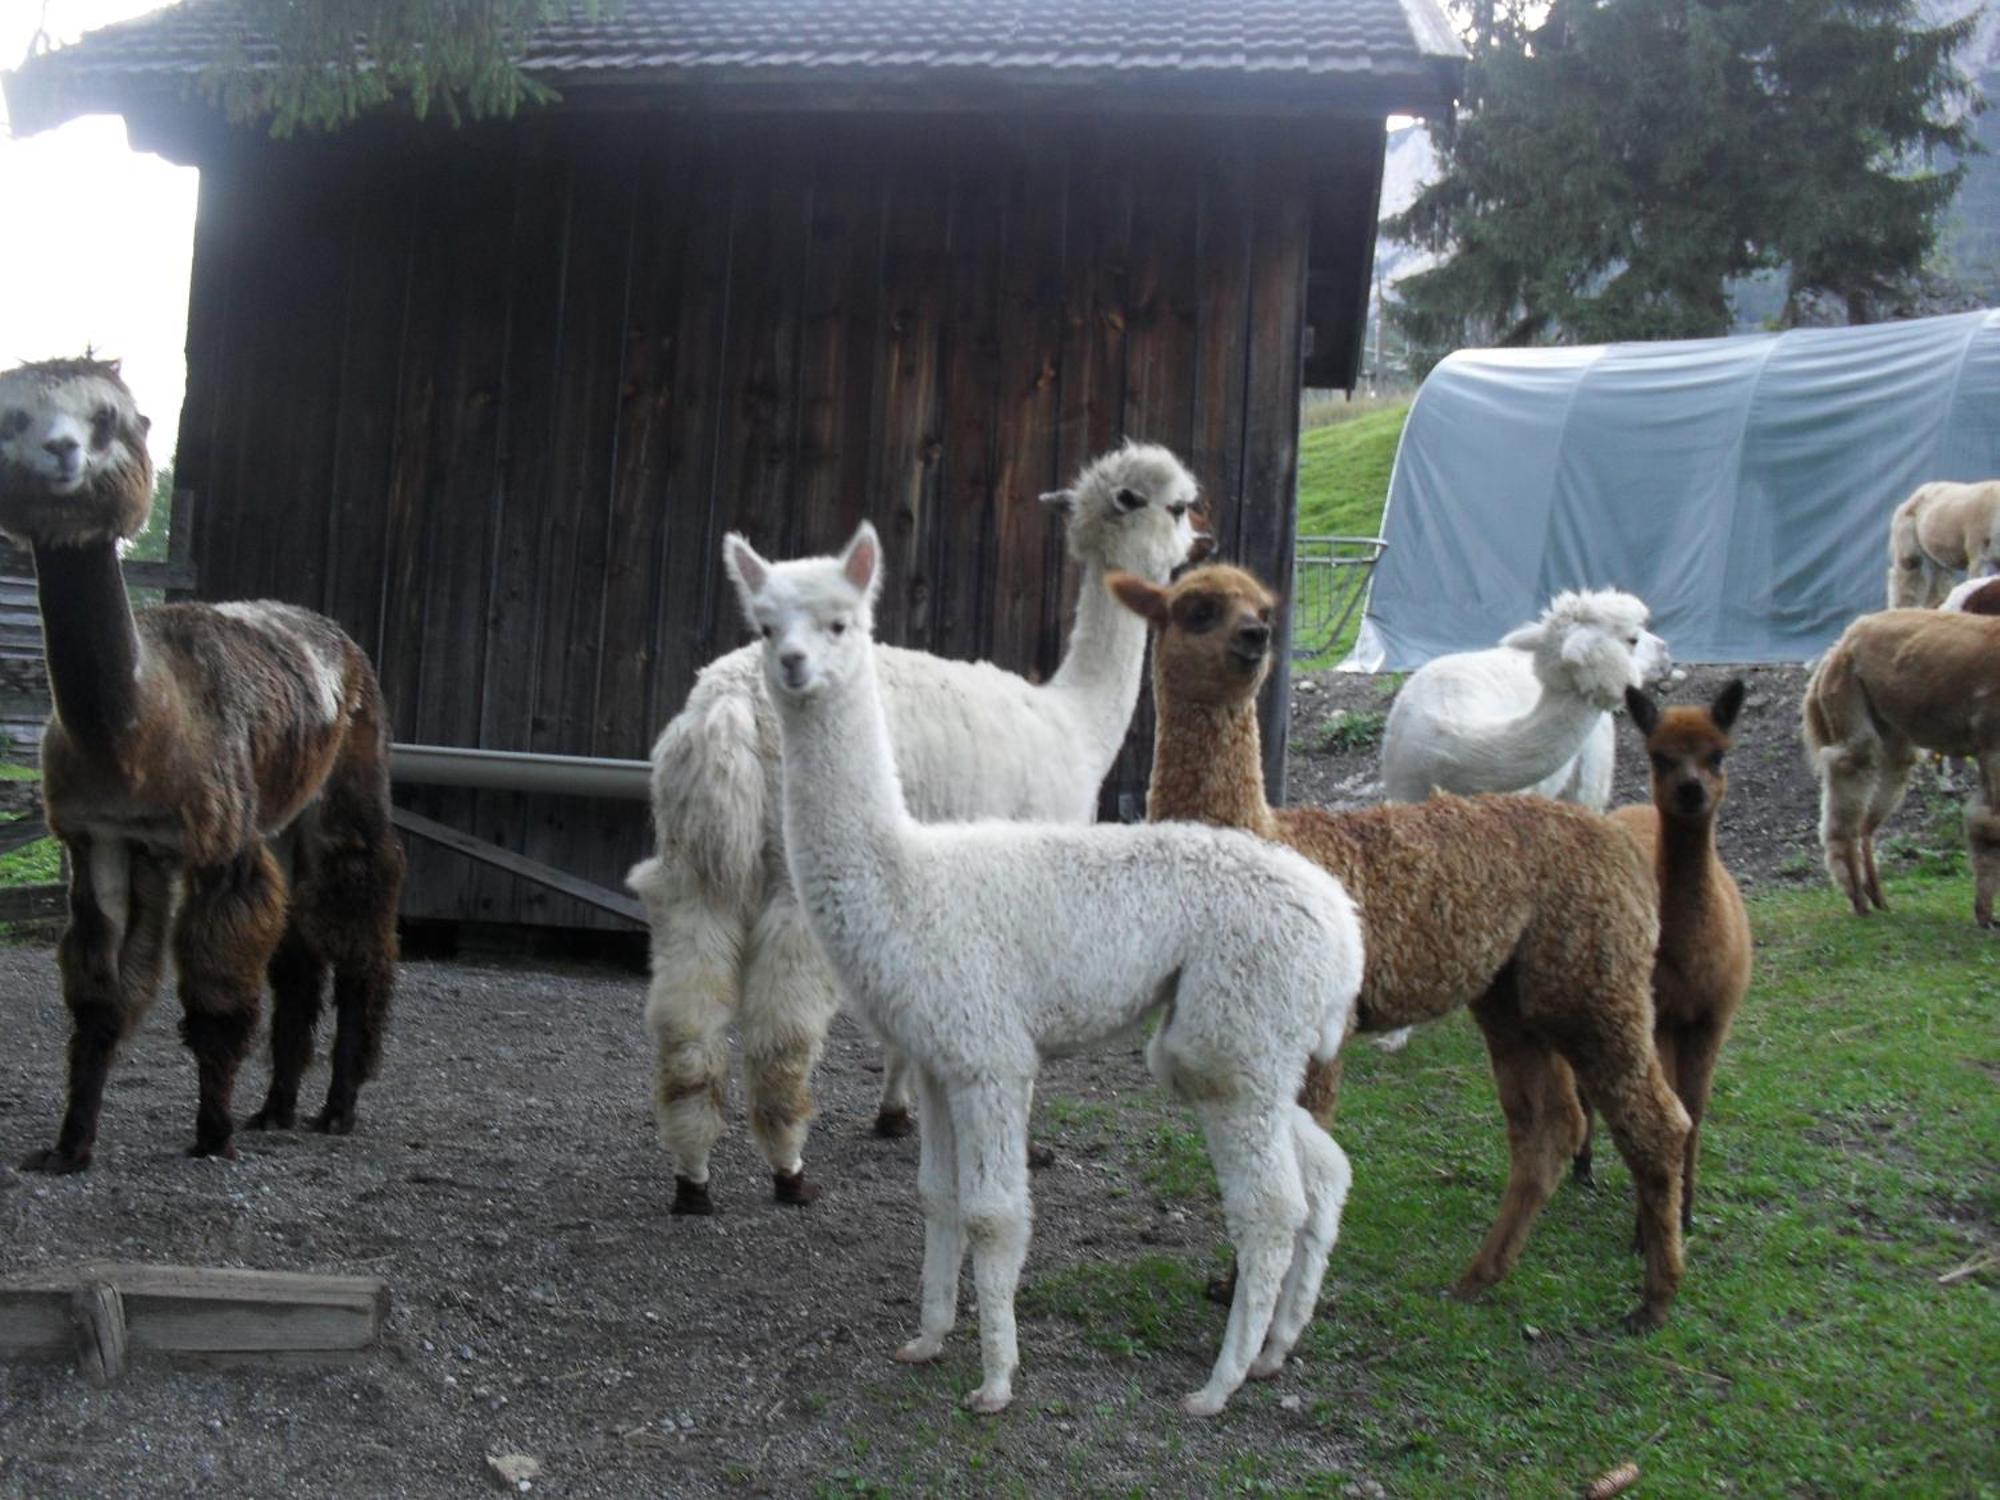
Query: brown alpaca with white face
[(1703, 967), (1537, 916), (218, 775)]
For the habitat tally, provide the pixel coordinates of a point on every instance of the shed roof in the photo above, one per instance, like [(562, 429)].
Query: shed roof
[(1250, 56)]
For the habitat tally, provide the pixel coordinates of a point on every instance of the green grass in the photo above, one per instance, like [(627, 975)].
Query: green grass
[(1347, 731), (39, 863), (1344, 472), (1848, 1164)]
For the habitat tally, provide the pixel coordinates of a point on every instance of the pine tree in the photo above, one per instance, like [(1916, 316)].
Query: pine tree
[(323, 63), (1615, 162)]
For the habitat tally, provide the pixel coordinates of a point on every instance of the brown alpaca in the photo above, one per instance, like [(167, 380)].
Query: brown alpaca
[(1538, 916), (1895, 683), (218, 775), (1703, 966)]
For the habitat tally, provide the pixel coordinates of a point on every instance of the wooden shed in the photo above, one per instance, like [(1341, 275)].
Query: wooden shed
[(490, 396)]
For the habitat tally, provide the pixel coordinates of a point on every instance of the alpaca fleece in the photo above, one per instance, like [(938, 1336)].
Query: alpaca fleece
[(1533, 714), (1895, 683), (728, 939), (1539, 916), (980, 948), (1942, 529), (218, 775)]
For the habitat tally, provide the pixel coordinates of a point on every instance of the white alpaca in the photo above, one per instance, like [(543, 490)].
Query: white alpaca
[(1531, 715), (1942, 529), (980, 948), (971, 741)]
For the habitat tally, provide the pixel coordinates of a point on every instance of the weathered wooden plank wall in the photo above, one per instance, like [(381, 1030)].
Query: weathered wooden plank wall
[(491, 397)]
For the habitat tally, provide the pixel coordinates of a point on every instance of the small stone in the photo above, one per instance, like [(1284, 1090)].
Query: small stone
[(1531, 1333), (463, 1351), (1308, 687), (513, 1471), (1290, 1403), (1365, 1489)]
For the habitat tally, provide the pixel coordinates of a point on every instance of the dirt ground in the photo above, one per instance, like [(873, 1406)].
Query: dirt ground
[(506, 1182)]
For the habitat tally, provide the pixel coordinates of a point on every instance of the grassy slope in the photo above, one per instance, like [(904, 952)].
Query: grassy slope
[(1848, 1165), (1343, 482)]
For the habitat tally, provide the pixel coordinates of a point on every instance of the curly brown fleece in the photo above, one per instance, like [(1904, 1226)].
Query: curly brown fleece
[(1540, 917)]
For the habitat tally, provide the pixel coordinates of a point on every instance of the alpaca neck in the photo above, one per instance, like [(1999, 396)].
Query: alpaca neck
[(844, 809), (1100, 670), (1524, 750), (91, 642), (1686, 867), (1208, 765)]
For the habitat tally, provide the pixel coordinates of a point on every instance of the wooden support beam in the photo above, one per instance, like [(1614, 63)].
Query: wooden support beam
[(102, 1312), (520, 864)]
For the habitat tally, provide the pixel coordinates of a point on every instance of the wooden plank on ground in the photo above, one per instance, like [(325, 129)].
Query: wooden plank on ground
[(33, 903), (519, 864)]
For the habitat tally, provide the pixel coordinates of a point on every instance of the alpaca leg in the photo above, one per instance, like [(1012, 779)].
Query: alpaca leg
[(1581, 1166), (1667, 1047), (697, 952), (1698, 1048), (298, 983), (990, 1122), (102, 1009), (229, 927), (1846, 792), (1623, 1075), (1325, 1174), (944, 1244), (892, 1108), (1982, 837), (1319, 1096), (1264, 1201), (361, 993), (789, 1001), (1892, 780)]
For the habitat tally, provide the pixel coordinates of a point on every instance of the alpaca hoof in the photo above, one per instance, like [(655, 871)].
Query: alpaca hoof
[(225, 1149), (1222, 1288), (920, 1350), (894, 1124), (1645, 1318), (691, 1197), (330, 1121), (1040, 1156), (792, 1188), (989, 1400), (1204, 1403), (1266, 1366), (1468, 1288), (56, 1162), (1581, 1174), (273, 1117)]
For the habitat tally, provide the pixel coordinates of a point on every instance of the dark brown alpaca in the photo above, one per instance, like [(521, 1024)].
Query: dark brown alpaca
[(218, 775), (1703, 967), (1537, 916)]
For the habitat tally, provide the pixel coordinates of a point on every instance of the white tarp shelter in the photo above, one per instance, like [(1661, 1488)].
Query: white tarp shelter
[(1742, 486)]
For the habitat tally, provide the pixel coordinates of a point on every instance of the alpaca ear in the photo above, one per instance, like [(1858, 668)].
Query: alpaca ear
[(1645, 713), (746, 569), (1523, 637), (1060, 500), (145, 424), (861, 561), (1146, 600), (1728, 704)]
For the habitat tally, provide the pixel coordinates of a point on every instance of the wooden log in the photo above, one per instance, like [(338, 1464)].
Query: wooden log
[(105, 1311), (519, 864)]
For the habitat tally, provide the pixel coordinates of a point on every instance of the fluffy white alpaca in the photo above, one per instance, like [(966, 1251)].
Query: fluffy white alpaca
[(971, 741), (1942, 529), (980, 948), (1531, 715)]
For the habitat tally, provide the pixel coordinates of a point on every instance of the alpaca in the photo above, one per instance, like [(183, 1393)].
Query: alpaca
[(1702, 969), (1536, 915), (217, 773), (980, 948), (1942, 529), (1895, 683), (1531, 715), (971, 741), (1975, 596)]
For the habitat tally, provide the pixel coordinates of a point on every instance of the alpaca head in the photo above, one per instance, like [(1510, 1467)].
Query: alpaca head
[(1593, 644), (1132, 511), (815, 614), (1686, 747), (73, 460), (1975, 596), (1213, 644)]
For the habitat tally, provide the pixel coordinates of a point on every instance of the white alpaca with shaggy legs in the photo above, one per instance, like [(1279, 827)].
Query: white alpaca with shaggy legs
[(971, 741), (1532, 714), (980, 948)]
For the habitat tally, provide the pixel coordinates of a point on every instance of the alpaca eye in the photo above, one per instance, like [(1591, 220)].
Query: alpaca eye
[(767, 632), (1715, 761), (1130, 500), (1201, 616), (838, 627), (101, 422), (13, 424), (1178, 510)]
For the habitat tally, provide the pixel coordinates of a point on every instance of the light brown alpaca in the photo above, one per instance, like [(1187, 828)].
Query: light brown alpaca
[(1943, 528), (1536, 915), (1895, 683), (1703, 966), (218, 774)]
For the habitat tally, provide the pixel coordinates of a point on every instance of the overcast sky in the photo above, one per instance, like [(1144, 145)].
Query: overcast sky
[(98, 236)]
